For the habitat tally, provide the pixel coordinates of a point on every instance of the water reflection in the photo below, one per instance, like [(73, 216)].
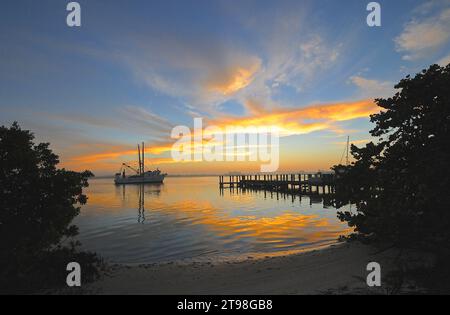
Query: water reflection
[(141, 215), (314, 198), (152, 189), (190, 218)]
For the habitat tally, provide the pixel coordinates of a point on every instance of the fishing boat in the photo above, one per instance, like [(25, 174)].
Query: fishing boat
[(140, 175)]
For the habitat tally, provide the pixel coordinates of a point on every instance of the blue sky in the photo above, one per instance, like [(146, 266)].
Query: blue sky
[(135, 69)]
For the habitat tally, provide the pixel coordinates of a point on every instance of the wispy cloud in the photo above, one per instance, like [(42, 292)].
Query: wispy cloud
[(372, 88), (294, 64), (202, 72), (126, 119), (292, 61), (208, 71), (139, 118), (444, 61), (232, 80), (426, 32)]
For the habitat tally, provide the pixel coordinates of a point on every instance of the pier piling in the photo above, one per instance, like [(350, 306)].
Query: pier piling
[(317, 183)]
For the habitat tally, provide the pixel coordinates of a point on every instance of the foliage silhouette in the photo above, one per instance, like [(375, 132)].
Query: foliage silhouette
[(37, 205), (400, 184)]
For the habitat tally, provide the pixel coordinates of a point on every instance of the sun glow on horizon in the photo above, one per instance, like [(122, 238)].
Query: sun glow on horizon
[(289, 122)]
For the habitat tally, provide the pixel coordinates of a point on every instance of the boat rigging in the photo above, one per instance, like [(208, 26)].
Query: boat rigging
[(141, 176)]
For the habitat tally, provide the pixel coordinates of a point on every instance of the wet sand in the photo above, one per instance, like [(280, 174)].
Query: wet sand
[(338, 269)]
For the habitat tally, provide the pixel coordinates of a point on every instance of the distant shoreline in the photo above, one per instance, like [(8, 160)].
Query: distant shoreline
[(170, 176)]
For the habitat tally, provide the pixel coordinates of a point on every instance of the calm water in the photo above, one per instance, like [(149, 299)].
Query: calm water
[(190, 219)]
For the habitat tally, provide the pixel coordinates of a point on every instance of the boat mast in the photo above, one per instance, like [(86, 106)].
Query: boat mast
[(348, 145), (140, 165)]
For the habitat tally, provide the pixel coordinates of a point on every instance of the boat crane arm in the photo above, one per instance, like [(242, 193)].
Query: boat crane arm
[(131, 168)]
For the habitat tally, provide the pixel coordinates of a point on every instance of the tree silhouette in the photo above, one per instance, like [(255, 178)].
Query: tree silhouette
[(37, 205), (400, 184)]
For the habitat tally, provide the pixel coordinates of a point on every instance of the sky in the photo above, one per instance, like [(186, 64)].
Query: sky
[(134, 70)]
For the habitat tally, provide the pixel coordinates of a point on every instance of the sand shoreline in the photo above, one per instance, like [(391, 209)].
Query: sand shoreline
[(339, 267), (234, 258)]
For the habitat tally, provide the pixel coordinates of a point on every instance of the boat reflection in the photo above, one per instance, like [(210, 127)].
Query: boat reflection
[(141, 190)]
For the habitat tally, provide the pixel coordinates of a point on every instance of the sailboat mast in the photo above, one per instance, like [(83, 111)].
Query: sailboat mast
[(348, 144), (140, 165), (143, 158)]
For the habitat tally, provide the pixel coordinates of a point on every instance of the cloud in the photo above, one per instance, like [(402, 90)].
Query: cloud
[(293, 61), (229, 81), (253, 107), (294, 53), (424, 35), (208, 80), (305, 120), (207, 71), (202, 72), (298, 63), (139, 118), (373, 88), (127, 119), (444, 61)]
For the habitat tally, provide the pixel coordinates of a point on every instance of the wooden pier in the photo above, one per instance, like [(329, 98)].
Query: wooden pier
[(317, 183)]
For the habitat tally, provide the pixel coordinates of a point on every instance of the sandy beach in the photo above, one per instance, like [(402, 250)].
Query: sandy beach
[(340, 268)]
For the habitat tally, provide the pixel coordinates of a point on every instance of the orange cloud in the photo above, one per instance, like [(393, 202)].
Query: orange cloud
[(233, 80), (303, 120)]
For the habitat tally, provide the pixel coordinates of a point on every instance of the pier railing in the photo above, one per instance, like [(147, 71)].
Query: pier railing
[(320, 183)]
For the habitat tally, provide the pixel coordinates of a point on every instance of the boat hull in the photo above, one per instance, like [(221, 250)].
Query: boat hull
[(156, 179)]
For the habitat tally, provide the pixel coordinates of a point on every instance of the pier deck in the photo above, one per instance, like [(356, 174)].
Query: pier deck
[(299, 183)]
